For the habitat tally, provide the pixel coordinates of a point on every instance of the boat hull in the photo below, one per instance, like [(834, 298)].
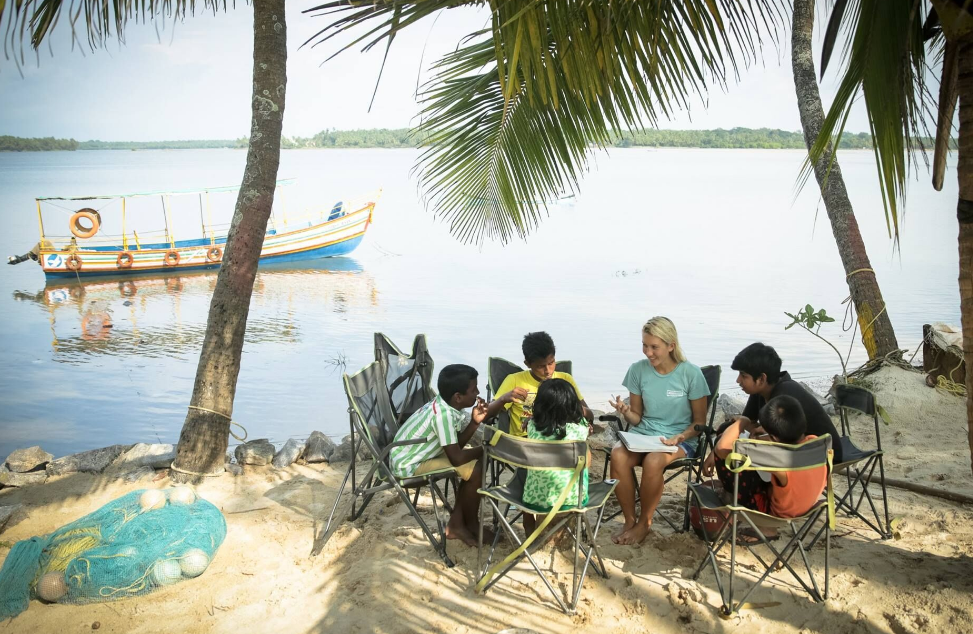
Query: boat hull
[(327, 239)]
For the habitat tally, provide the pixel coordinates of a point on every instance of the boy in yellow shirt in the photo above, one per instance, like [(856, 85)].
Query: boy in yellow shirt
[(518, 391)]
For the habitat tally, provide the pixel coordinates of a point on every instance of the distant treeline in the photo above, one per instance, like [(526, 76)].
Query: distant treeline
[(737, 138)]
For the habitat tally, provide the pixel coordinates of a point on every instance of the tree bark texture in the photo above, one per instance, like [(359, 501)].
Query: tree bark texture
[(873, 319), (964, 213), (204, 437)]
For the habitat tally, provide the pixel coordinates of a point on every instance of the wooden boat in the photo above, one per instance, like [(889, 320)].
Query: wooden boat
[(89, 249)]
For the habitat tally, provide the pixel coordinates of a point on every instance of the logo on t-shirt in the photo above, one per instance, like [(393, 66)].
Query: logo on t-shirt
[(675, 393)]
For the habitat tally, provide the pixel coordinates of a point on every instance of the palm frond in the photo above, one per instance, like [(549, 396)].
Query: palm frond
[(33, 20), (884, 61), (510, 119)]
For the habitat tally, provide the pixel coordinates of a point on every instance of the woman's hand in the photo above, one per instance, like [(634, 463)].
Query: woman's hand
[(675, 440), (620, 406)]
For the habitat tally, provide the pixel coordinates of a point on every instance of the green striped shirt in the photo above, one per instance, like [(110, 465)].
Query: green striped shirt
[(438, 423)]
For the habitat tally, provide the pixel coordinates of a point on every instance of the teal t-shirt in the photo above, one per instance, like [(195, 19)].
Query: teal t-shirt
[(665, 397)]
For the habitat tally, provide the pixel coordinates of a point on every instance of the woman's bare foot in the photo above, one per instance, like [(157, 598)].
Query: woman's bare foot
[(461, 533), (633, 536), (624, 529)]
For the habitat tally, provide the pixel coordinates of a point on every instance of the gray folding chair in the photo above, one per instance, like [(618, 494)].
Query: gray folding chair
[(768, 457), (693, 467), (857, 399), (566, 455)]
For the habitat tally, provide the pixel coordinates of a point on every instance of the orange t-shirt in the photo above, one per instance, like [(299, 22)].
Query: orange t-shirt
[(803, 489)]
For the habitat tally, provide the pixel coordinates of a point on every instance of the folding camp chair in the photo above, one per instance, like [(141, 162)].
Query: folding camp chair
[(568, 455), (854, 398), (380, 397), (691, 466), (770, 457)]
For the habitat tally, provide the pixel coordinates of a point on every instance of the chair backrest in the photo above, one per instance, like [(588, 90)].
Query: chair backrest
[(852, 397), (712, 374), (774, 456), (407, 376), (368, 400), (534, 454)]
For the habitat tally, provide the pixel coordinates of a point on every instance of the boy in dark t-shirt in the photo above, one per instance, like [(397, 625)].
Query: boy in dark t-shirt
[(759, 375)]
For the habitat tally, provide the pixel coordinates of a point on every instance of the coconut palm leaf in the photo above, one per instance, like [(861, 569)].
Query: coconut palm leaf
[(884, 61), (511, 118)]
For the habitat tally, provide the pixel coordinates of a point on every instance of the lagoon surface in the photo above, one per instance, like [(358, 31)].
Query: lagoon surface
[(714, 239)]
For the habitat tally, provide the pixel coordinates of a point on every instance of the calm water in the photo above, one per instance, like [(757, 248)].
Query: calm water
[(712, 238)]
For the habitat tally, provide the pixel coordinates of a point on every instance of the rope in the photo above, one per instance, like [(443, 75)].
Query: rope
[(232, 422)]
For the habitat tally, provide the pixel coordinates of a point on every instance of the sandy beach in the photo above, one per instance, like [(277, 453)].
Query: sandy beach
[(379, 574)]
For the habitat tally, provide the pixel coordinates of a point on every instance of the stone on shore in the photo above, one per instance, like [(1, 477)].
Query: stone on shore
[(136, 474), (825, 403), (290, 452), (14, 479), (157, 456), (29, 459), (729, 406), (256, 452), (94, 461), (233, 469), (318, 448)]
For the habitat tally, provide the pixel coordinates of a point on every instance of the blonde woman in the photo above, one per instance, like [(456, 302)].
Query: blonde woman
[(667, 398)]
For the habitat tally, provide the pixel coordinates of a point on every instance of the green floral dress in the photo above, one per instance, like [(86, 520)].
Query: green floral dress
[(543, 488)]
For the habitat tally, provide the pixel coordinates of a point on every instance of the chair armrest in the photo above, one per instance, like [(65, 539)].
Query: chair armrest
[(400, 443), (622, 425)]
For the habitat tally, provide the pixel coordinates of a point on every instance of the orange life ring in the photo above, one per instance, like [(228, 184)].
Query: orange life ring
[(124, 260), (215, 254), (97, 330), (73, 262), (91, 216), (172, 258)]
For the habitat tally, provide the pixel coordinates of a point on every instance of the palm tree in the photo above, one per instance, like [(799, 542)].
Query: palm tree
[(876, 327), (888, 43), (205, 433)]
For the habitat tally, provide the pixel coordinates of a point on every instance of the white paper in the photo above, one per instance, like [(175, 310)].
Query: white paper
[(638, 443)]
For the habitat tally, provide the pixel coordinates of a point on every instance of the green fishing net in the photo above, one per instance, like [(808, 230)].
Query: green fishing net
[(131, 546)]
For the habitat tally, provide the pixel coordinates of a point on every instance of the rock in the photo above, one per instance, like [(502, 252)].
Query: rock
[(256, 452), (318, 448), (730, 406), (342, 453), (30, 459), (136, 474), (288, 453), (233, 469), (157, 456), (94, 461), (603, 439), (6, 512), (14, 479)]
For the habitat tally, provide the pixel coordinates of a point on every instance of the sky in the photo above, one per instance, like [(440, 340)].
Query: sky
[(192, 80)]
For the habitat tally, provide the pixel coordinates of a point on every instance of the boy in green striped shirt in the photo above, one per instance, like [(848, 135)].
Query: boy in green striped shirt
[(438, 425)]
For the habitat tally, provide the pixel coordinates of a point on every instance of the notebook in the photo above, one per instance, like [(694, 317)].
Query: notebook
[(638, 443)]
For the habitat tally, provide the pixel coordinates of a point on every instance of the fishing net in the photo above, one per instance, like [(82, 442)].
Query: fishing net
[(129, 547)]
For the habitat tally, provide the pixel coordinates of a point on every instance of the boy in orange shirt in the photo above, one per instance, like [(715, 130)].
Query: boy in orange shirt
[(788, 494)]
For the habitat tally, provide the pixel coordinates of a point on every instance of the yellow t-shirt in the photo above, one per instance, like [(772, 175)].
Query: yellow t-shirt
[(521, 413)]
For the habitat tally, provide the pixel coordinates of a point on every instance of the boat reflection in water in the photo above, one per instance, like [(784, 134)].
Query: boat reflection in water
[(165, 315)]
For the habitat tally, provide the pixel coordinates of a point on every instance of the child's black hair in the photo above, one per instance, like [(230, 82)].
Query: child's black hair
[(455, 379), (783, 418), (756, 359), (555, 406), (537, 346)]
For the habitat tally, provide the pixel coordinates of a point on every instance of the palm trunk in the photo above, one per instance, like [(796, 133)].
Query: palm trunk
[(873, 319), (964, 213), (204, 436)]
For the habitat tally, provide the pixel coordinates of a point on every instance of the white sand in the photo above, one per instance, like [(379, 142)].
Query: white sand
[(379, 574)]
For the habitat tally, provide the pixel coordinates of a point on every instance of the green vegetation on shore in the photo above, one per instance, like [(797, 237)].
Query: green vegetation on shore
[(737, 138)]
